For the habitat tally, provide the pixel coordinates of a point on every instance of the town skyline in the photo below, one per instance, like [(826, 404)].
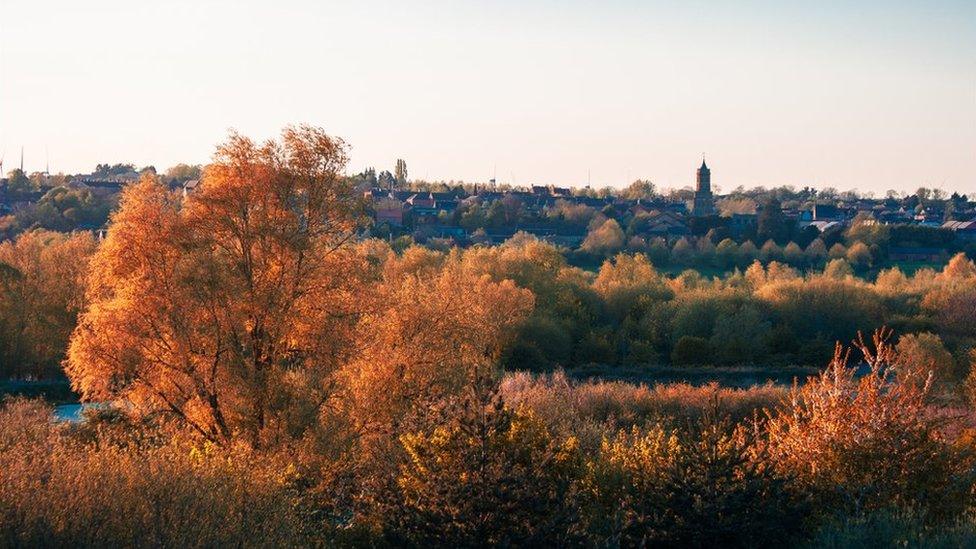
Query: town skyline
[(6, 166)]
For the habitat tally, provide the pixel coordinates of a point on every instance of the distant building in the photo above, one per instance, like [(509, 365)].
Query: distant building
[(704, 201), (190, 186), (965, 230), (740, 223), (827, 212), (389, 210), (931, 255), (665, 224)]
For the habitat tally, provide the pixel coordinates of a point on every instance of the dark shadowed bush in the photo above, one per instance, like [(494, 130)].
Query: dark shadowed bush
[(692, 350)]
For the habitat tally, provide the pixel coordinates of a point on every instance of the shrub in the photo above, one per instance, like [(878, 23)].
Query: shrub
[(866, 443), (58, 490), (573, 407), (485, 476), (831, 309), (893, 528), (605, 238), (705, 486), (692, 350), (922, 355)]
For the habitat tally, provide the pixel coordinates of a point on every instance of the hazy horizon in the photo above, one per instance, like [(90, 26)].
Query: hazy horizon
[(869, 98)]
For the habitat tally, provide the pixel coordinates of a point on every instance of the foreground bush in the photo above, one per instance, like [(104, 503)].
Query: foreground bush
[(59, 488), (893, 528), (485, 476), (863, 444), (707, 486), (844, 460)]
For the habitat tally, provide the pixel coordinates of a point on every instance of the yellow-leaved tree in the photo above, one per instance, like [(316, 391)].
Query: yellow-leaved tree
[(230, 309), (431, 333)]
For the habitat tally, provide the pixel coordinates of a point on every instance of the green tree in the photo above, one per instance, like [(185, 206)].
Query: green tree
[(772, 224), (18, 182), (400, 172), (640, 189)]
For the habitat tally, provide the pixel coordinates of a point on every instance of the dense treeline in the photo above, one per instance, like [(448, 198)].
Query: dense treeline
[(269, 379), (866, 246), (627, 313), (42, 288)]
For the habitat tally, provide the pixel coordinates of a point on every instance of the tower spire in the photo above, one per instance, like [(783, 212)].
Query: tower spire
[(704, 202)]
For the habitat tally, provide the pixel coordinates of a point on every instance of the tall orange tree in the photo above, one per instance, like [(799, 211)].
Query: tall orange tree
[(230, 309)]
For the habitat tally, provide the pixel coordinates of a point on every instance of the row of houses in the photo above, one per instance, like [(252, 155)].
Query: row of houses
[(432, 212)]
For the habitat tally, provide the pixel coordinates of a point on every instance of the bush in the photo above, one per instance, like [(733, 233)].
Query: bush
[(573, 408), (706, 486), (59, 490), (921, 355), (867, 443), (485, 476), (691, 350), (892, 528)]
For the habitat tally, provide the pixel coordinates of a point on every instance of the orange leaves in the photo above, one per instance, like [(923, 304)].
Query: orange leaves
[(866, 438), (41, 292), (235, 308), (200, 306), (431, 332)]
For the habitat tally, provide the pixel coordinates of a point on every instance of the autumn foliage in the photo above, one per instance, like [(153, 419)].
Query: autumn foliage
[(220, 308), (268, 377)]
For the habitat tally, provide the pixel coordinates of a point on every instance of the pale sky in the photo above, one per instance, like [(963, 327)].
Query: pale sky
[(869, 97)]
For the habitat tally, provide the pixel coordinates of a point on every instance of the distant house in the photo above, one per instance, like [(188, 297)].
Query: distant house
[(190, 186), (421, 200), (826, 226), (739, 223), (965, 230), (664, 224), (892, 217), (105, 186), (447, 231), (389, 210), (916, 254), (10, 203), (542, 191), (827, 212)]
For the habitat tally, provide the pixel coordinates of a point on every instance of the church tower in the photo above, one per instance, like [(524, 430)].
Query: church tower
[(704, 203)]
